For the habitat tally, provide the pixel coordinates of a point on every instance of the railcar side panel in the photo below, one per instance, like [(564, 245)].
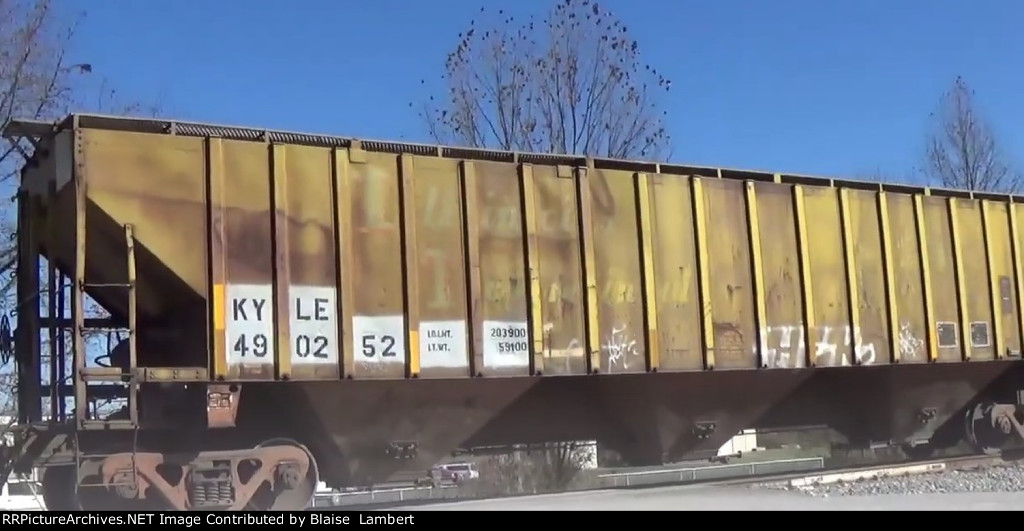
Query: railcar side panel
[(243, 257), (436, 256), (783, 341), (732, 303), (679, 313), (134, 177), (976, 290), (871, 331), (308, 345), (830, 337), (560, 274), (943, 279), (910, 288), (391, 265), (496, 257), (378, 322), (614, 218), (1002, 279)]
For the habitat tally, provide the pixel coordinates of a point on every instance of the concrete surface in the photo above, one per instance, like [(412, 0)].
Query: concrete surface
[(734, 498)]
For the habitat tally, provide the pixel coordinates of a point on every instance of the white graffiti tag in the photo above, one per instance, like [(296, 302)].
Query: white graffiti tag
[(911, 346), (785, 347), (620, 346)]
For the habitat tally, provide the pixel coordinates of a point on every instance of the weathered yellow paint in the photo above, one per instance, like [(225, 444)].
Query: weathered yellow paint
[(476, 292), (958, 276), (806, 284), (971, 244), (344, 256), (828, 276), (1002, 271), (643, 201), (994, 255), (705, 307), (873, 335), (409, 192), (536, 307), (591, 302), (926, 278), (674, 255), (306, 242), (850, 257), (891, 303), (435, 241), (612, 267), (731, 282), (1018, 275), (754, 227), (782, 333), (559, 263), (280, 243)]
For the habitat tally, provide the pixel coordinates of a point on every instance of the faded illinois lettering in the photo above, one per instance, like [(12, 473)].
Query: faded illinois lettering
[(440, 209), (436, 262), (676, 289), (379, 189)]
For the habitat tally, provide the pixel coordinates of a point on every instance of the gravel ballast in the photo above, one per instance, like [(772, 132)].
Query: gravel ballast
[(994, 478)]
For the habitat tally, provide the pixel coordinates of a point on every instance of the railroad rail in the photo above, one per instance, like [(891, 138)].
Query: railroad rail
[(796, 472), (908, 467)]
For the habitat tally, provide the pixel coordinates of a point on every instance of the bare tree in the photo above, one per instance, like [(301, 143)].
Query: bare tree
[(38, 81), (962, 151), (572, 83), (553, 468)]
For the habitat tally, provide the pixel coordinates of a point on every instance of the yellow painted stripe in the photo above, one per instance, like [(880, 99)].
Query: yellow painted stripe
[(414, 353), (647, 255), (1018, 272), (926, 278), (993, 279), (961, 284), (757, 259), (704, 271), (892, 310), (219, 315)]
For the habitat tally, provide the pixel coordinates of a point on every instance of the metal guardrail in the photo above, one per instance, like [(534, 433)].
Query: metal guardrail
[(711, 473), (620, 479), (393, 495)]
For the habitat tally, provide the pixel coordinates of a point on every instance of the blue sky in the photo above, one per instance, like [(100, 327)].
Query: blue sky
[(837, 88)]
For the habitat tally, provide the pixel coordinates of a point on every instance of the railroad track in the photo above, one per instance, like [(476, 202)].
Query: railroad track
[(795, 478), (837, 474)]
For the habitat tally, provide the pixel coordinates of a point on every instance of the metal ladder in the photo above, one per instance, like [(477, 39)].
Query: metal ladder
[(84, 375), (10, 461)]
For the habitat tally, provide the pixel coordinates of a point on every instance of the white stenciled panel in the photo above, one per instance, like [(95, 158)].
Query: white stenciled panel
[(378, 340), (313, 325), (443, 345), (249, 324), (506, 345)]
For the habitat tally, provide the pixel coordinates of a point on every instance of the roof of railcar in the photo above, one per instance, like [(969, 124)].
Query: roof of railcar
[(38, 128)]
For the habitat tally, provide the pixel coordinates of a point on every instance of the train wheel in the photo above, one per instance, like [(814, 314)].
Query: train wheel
[(295, 497), (123, 495), (986, 431), (59, 488)]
